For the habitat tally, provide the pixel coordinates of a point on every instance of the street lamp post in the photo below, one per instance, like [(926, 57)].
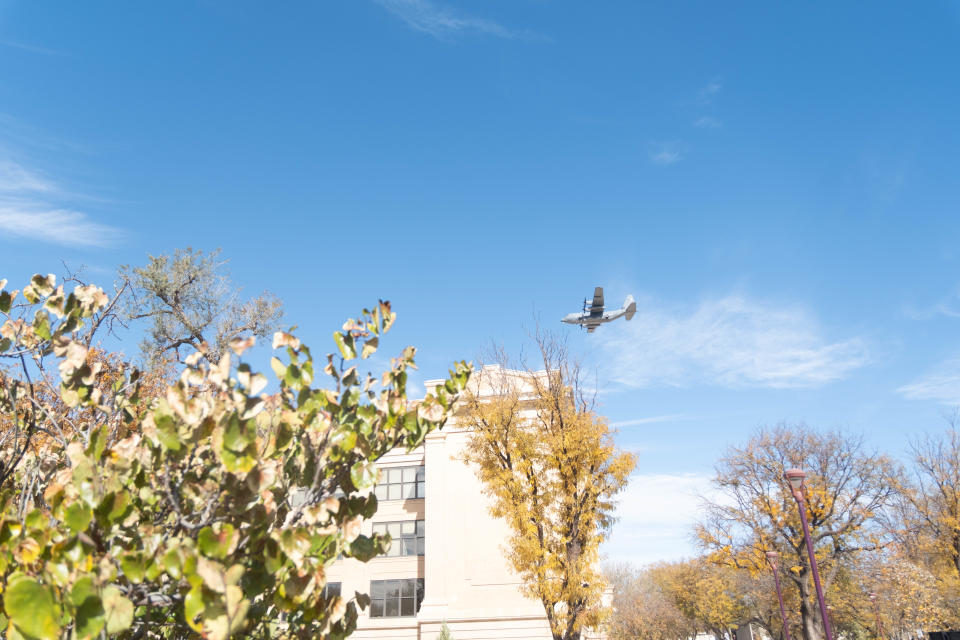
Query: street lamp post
[(795, 478), (876, 612), (772, 557)]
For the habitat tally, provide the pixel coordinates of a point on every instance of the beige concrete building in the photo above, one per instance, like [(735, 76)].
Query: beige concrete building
[(446, 563)]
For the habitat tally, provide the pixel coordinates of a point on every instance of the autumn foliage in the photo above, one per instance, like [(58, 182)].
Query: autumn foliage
[(203, 504), (549, 462), (876, 529)]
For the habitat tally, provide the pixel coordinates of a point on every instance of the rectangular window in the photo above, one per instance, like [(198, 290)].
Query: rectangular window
[(395, 598), (406, 537), (331, 589), (401, 483)]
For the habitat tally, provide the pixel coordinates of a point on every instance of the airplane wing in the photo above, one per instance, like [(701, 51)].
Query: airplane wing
[(596, 309)]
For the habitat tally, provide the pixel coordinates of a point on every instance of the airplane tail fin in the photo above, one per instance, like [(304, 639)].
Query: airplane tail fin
[(629, 307)]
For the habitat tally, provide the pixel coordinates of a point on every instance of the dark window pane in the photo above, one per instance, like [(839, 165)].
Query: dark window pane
[(419, 527), (420, 546), (406, 607), (419, 592), (421, 489), (391, 608), (376, 608), (331, 589), (409, 546), (376, 589), (392, 589), (409, 588), (421, 473)]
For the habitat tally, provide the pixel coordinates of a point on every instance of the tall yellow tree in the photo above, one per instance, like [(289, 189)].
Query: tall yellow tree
[(642, 608), (928, 511), (753, 512), (908, 597), (549, 462), (705, 593)]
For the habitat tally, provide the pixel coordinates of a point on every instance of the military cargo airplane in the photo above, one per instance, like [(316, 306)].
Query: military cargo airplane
[(593, 316)]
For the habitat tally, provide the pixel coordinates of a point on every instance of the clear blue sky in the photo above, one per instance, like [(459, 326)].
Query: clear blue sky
[(776, 183)]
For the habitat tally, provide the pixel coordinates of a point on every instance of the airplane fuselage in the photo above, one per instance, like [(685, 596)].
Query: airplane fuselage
[(586, 319), (593, 315)]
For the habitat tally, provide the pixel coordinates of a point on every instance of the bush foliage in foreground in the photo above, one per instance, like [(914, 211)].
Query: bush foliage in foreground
[(207, 509)]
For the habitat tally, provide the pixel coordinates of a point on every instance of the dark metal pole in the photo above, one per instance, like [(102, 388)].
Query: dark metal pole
[(795, 478), (772, 557), (876, 612), (813, 564)]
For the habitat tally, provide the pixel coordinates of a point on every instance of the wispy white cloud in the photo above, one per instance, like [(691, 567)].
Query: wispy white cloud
[(731, 342), (29, 209), (709, 91), (32, 48), (941, 384), (948, 306), (17, 179), (655, 515), (440, 21), (707, 122), (58, 226), (666, 153), (673, 417)]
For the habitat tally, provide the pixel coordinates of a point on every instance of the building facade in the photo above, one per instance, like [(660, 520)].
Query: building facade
[(446, 563)]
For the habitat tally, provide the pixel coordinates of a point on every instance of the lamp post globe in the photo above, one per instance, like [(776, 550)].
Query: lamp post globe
[(795, 478), (773, 557)]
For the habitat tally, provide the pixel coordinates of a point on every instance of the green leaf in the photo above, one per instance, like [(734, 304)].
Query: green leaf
[(90, 616), (345, 344), (238, 435), (112, 508), (365, 548), (193, 607), (215, 544), (36, 520), (118, 610), (133, 566), (31, 608), (77, 517), (363, 474), (237, 463), (171, 562), (6, 301), (98, 442), (167, 432), (41, 324), (279, 369)]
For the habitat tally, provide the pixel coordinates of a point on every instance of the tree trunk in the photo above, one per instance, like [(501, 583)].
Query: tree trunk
[(809, 620)]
